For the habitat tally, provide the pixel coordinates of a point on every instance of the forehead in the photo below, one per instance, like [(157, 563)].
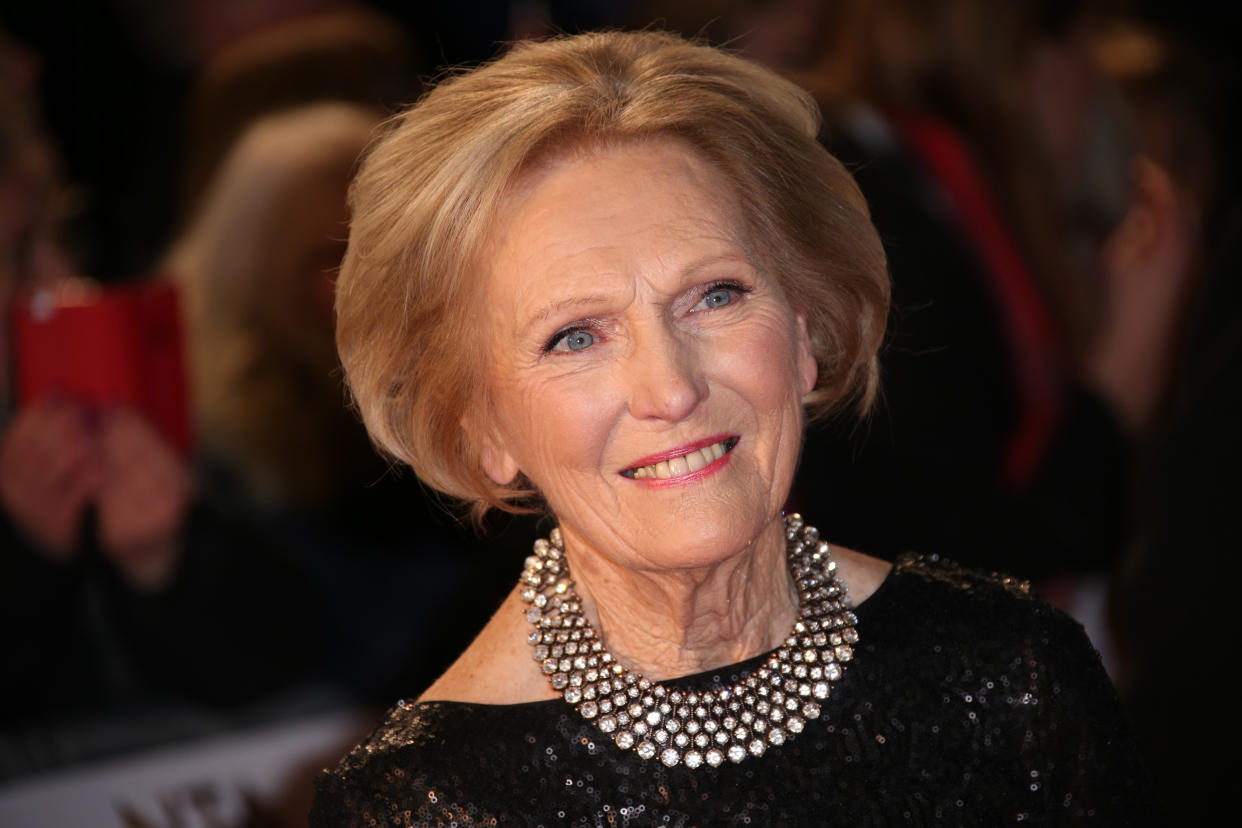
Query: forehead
[(627, 209)]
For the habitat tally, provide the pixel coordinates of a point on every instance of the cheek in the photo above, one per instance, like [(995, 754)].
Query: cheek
[(556, 429), (761, 365)]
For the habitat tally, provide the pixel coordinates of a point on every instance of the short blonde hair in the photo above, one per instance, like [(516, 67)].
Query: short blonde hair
[(427, 194)]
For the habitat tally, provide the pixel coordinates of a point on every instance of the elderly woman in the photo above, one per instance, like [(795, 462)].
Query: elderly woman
[(614, 272)]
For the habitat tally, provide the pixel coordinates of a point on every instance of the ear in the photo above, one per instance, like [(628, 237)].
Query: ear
[(808, 368), (498, 464)]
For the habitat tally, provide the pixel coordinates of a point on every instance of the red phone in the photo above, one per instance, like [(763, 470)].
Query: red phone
[(107, 347)]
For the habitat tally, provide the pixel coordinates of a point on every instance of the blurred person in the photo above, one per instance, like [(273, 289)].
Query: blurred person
[(343, 54), (285, 100), (56, 459), (992, 152), (136, 65), (277, 119), (123, 586), (257, 266), (1183, 195), (284, 103), (146, 580), (1181, 243)]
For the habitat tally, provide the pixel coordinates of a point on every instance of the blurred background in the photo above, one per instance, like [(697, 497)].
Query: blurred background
[(210, 585)]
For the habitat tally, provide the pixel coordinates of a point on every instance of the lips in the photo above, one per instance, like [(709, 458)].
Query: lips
[(687, 461)]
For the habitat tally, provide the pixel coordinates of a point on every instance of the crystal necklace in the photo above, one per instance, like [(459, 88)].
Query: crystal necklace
[(765, 709)]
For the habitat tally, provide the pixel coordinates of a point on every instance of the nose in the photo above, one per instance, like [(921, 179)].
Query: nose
[(664, 376)]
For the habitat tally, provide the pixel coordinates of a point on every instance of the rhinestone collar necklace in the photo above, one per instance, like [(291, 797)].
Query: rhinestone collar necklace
[(657, 720)]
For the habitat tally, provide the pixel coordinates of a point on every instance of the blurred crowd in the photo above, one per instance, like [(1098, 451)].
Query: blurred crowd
[(1055, 186)]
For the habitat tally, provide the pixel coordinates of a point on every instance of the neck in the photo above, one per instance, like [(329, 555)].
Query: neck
[(665, 624)]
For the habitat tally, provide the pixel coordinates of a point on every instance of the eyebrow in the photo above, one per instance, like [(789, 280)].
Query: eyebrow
[(739, 257), (570, 302), (596, 299)]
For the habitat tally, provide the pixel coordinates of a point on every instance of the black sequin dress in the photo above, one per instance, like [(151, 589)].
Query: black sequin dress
[(968, 703)]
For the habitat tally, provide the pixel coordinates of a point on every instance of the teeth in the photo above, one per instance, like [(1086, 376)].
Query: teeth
[(685, 464)]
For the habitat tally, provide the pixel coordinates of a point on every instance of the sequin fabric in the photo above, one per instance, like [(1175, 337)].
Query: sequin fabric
[(969, 702)]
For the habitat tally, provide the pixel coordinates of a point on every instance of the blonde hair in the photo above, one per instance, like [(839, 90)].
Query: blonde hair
[(427, 194)]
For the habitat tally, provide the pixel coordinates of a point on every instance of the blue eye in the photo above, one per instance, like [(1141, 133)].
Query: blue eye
[(573, 340), (719, 294), (718, 298), (579, 340)]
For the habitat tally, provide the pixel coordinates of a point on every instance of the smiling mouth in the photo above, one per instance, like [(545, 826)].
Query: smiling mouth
[(683, 464)]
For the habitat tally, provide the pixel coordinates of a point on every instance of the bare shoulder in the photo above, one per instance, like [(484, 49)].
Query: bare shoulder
[(861, 573), (497, 667)]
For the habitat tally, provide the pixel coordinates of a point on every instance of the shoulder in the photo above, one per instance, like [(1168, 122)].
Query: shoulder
[(999, 676), (408, 728), (366, 785), (444, 763), (399, 767), (934, 583), (932, 608), (986, 636), (941, 575)]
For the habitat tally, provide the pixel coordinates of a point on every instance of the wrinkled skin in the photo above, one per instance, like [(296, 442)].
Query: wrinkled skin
[(627, 319)]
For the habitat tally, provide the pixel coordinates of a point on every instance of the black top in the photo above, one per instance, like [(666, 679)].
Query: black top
[(968, 702)]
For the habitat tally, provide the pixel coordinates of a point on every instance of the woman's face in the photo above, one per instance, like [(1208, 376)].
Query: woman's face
[(647, 377)]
